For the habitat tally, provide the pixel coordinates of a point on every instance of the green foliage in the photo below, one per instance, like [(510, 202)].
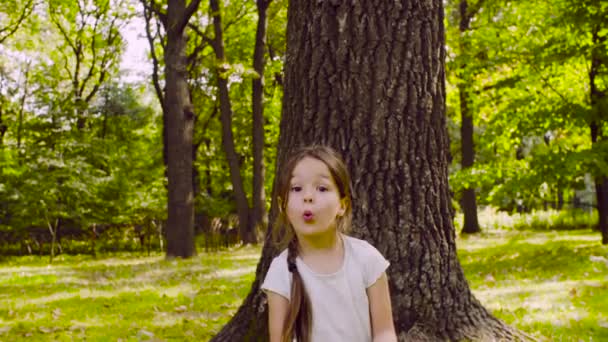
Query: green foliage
[(527, 66)]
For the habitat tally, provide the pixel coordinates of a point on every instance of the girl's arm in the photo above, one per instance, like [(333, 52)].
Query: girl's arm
[(381, 313), (278, 307)]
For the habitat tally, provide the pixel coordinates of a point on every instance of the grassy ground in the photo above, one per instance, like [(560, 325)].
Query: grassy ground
[(552, 284), (122, 298)]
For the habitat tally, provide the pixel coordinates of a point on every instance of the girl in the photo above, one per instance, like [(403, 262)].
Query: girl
[(325, 286)]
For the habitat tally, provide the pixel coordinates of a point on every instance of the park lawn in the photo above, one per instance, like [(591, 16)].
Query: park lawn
[(122, 298), (553, 285)]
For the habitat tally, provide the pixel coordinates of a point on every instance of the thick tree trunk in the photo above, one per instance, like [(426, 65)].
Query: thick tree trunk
[(240, 197), (469, 203), (367, 78), (179, 129), (258, 210)]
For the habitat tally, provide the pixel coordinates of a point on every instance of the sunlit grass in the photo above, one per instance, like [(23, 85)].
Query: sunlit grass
[(551, 284), (122, 298)]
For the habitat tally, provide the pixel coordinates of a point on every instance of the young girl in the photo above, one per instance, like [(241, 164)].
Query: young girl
[(326, 286)]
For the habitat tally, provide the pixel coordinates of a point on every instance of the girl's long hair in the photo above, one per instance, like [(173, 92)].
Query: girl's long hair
[(298, 323)]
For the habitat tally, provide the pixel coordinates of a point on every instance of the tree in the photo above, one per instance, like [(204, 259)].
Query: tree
[(178, 121), (368, 79), (90, 48), (257, 99), (16, 14), (469, 204), (240, 197)]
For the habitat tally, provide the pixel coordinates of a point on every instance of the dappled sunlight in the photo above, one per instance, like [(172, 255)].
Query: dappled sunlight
[(186, 288), (544, 238), (552, 302), (249, 256), (534, 295)]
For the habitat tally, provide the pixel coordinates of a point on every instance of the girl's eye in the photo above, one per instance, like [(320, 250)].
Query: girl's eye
[(323, 188), (296, 188)]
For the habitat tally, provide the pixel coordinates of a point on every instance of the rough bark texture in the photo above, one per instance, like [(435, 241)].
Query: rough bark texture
[(468, 201), (259, 196), (240, 197), (367, 78), (179, 129)]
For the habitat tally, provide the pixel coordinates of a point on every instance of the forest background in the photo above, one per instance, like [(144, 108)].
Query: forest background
[(84, 144)]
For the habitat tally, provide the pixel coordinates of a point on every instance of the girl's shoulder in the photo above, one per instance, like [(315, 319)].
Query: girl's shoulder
[(359, 245), (363, 251), (367, 260)]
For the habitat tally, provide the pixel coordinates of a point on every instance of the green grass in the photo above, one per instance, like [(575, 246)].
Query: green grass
[(551, 284), (123, 298)]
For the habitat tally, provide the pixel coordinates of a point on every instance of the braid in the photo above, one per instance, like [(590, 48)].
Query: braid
[(299, 318), (292, 253)]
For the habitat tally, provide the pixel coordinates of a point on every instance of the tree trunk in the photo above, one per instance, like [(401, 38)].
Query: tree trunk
[(367, 78), (179, 129), (3, 127), (601, 189), (469, 204), (258, 211), (240, 197), (597, 135)]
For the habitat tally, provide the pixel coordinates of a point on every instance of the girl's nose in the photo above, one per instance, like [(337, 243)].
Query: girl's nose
[(308, 197)]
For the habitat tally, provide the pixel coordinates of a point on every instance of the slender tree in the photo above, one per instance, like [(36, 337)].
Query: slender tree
[(258, 212), (14, 15), (367, 77), (240, 196), (469, 203)]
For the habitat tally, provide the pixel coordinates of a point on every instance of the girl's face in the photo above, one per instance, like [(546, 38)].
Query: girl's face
[(313, 203)]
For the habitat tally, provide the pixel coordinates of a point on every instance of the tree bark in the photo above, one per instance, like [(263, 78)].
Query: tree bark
[(258, 209), (597, 135), (469, 203), (179, 129), (240, 197), (367, 78)]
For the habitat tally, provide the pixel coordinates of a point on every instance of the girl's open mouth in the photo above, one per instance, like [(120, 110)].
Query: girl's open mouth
[(308, 216)]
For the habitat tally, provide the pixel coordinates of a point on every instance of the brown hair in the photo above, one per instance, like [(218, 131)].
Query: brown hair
[(299, 318)]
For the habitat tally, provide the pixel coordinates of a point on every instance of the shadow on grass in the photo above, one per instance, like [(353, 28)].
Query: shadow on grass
[(546, 260), (557, 328), (186, 312)]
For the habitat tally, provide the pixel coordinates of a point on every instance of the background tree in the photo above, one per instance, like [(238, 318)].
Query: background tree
[(178, 122), (368, 79), (14, 13), (468, 198)]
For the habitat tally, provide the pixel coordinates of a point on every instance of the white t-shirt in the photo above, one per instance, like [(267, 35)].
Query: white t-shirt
[(340, 307)]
